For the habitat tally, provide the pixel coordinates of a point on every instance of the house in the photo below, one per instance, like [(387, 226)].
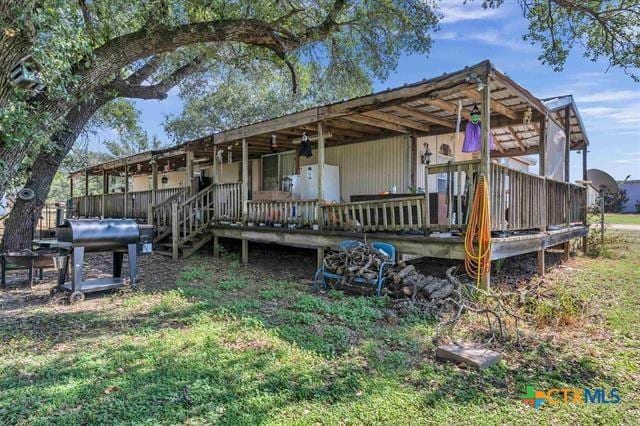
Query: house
[(389, 165), (632, 189)]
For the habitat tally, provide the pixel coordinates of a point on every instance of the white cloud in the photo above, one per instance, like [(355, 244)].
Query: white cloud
[(457, 11), (622, 118), (487, 37), (608, 96)]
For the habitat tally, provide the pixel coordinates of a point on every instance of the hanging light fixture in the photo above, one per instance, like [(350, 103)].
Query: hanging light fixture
[(273, 143)]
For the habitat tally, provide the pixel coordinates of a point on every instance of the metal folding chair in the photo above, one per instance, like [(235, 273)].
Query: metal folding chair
[(388, 250)]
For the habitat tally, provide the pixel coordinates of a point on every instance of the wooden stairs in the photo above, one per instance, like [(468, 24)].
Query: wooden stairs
[(182, 222)]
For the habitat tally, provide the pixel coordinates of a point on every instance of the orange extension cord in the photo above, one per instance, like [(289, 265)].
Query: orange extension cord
[(477, 261)]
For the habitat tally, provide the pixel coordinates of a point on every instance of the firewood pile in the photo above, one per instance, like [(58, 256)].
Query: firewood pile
[(411, 292), (403, 283)]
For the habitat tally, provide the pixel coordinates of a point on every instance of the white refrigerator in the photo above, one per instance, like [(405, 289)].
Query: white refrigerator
[(308, 183)]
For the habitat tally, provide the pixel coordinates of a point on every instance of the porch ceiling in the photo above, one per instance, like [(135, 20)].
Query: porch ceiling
[(429, 107)]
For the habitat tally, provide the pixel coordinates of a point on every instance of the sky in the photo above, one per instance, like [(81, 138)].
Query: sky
[(608, 100)]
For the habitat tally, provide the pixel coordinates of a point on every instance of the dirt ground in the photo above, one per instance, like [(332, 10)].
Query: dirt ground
[(160, 273)]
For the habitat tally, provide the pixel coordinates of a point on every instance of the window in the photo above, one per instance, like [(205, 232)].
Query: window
[(275, 167)]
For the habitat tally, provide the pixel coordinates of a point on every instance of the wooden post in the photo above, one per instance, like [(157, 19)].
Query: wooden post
[(154, 191), (86, 193), (566, 249), (126, 190), (70, 186), (320, 162), (154, 182), (413, 155), (320, 174), (105, 190), (216, 246), (485, 155), (320, 261), (245, 181), (567, 160), (175, 230), (426, 213), (567, 148), (189, 172), (214, 178), (586, 197), (245, 252), (540, 263), (542, 142)]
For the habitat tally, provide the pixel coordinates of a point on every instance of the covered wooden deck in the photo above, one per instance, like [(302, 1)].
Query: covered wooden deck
[(524, 206)]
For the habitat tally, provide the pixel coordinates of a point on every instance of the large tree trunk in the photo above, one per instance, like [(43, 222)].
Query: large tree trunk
[(20, 225), (16, 40)]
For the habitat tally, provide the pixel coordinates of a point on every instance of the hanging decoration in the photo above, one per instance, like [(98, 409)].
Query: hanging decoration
[(167, 167), (526, 118), (305, 146), (164, 180), (456, 141), (426, 154), (220, 156), (25, 74), (273, 144), (473, 133), (229, 155)]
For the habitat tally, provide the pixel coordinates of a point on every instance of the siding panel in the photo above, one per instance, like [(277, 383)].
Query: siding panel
[(369, 167)]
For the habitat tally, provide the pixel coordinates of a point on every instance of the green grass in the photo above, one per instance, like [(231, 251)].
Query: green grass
[(233, 348), (622, 219), (617, 219)]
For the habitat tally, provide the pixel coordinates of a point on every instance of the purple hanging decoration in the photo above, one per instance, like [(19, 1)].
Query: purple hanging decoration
[(473, 133)]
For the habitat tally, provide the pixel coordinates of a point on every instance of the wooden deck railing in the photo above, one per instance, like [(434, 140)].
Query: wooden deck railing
[(460, 177), (114, 203), (519, 200), (394, 214), (301, 213), (227, 202)]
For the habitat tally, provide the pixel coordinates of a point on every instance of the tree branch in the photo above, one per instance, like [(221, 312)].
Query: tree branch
[(145, 71), (129, 89), (88, 19)]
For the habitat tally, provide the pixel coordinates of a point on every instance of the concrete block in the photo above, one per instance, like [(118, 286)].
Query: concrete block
[(476, 357)]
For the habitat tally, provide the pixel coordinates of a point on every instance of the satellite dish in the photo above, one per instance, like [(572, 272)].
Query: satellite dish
[(602, 181), (26, 194)]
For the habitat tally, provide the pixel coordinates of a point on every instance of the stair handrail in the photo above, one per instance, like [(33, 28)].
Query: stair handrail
[(171, 199)]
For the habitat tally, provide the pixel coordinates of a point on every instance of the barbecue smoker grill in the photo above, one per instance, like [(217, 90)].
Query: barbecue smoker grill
[(118, 236)]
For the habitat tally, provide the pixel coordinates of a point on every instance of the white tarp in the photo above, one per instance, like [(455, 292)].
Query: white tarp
[(554, 152)]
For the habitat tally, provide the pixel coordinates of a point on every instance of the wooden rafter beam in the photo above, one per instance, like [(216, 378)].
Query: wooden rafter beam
[(498, 143), (333, 130), (449, 107), (517, 138), (423, 115), (376, 123), (393, 119), (495, 105), (349, 125)]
